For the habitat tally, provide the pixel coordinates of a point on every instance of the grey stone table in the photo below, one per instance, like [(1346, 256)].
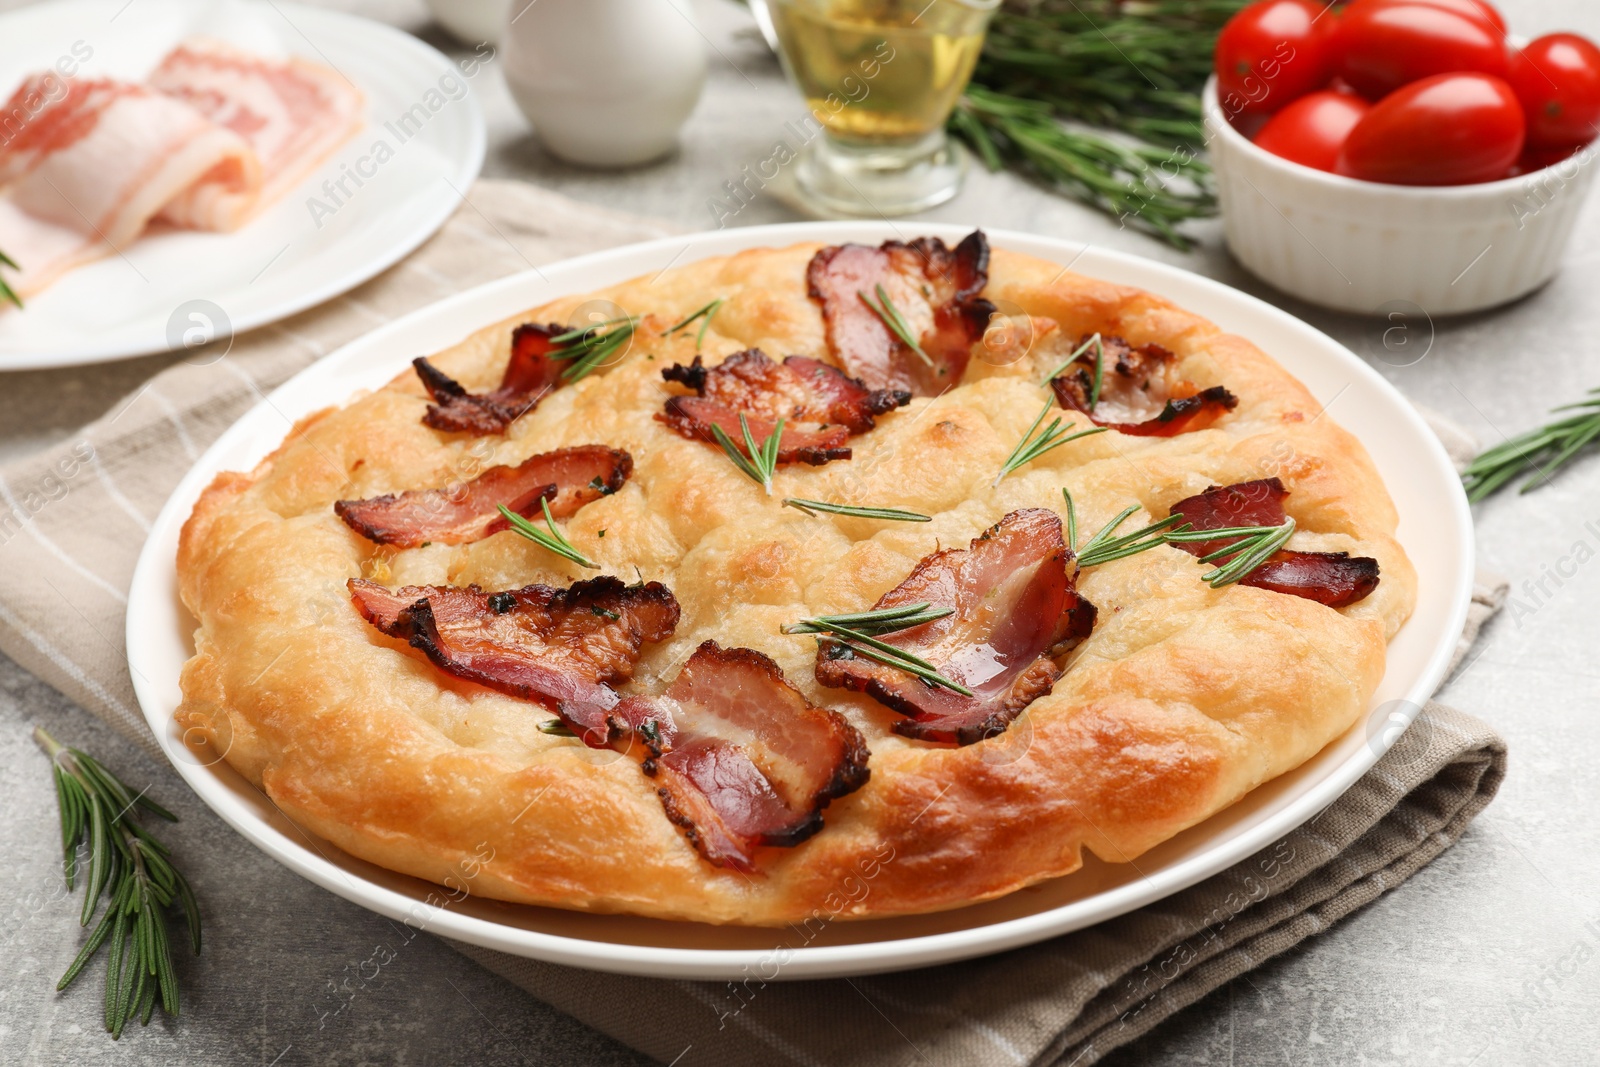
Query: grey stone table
[(1489, 956)]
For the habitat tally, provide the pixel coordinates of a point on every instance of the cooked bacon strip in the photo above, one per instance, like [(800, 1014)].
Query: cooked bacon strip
[(538, 643), (530, 374), (95, 160), (740, 757), (1015, 609), (1139, 394), (469, 511), (293, 113), (821, 406), (1336, 579), (936, 291)]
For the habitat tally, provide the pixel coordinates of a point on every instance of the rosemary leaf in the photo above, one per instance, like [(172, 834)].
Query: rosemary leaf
[(1076, 352), (1263, 545), (704, 313), (855, 632), (1031, 448), (6, 292), (895, 321), (590, 346), (760, 461), (552, 539), (894, 514)]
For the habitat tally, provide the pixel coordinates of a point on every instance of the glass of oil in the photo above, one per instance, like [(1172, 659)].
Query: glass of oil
[(879, 78)]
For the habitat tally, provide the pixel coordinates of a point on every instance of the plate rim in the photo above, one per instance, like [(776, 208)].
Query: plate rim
[(424, 224), (154, 576)]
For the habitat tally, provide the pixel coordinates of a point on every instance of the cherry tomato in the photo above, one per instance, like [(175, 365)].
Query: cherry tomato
[(1557, 78), (1478, 9), (1384, 44), (1450, 129), (1270, 53), (1311, 130), (1539, 158)]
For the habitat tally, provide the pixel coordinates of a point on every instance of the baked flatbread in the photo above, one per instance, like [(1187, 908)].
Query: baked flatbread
[(1181, 699)]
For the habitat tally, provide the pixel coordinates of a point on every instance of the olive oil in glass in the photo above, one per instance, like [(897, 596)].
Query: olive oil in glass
[(880, 78)]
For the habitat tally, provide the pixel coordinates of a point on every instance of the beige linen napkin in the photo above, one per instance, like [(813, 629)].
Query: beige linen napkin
[(73, 518)]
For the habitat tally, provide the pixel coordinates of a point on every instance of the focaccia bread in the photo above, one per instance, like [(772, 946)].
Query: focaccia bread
[(1179, 700)]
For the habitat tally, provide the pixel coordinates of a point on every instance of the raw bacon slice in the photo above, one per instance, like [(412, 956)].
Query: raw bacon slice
[(531, 373), (293, 112), (465, 512), (936, 290), (1139, 393), (1015, 610), (821, 406), (741, 759), (90, 168), (537, 643), (1336, 579)]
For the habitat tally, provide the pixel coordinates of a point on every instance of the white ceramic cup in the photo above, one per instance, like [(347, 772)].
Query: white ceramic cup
[(1369, 247), (606, 83)]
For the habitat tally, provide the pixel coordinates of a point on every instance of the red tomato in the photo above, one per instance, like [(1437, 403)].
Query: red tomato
[(1478, 9), (1450, 129), (1557, 78), (1269, 54), (1539, 158), (1384, 44), (1311, 130)]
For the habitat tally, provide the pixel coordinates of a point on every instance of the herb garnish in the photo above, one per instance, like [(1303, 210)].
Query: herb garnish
[(135, 871), (762, 460), (705, 313), (1544, 450), (811, 507), (892, 318), (1253, 544), (854, 632), (1073, 358), (554, 539), (590, 346), (1031, 448), (6, 292), (556, 728)]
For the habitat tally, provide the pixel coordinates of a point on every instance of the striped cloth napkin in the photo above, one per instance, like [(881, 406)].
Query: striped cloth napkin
[(73, 518)]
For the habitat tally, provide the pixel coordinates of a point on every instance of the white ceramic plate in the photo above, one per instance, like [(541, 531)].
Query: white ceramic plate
[(1435, 528), (286, 259)]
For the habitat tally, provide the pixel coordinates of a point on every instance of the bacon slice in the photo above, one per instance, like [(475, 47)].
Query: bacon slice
[(531, 373), (1336, 579), (936, 291), (1139, 393), (293, 113), (741, 759), (95, 160), (537, 643), (821, 406), (1015, 609), (465, 512)]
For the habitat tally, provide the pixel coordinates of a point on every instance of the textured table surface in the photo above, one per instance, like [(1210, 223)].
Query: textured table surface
[(1489, 956)]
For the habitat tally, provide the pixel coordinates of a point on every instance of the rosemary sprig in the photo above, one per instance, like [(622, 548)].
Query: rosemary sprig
[(704, 313), (590, 346), (811, 507), (6, 292), (556, 728), (1256, 549), (1544, 451), (895, 321), (854, 632), (1100, 355), (135, 872), (1155, 188), (1249, 545), (553, 539), (1031, 448), (762, 460)]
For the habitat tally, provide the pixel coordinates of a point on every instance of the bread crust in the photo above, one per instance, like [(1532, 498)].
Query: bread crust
[(1183, 699)]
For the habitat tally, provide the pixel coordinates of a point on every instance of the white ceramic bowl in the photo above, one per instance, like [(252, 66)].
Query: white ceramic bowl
[(1374, 248)]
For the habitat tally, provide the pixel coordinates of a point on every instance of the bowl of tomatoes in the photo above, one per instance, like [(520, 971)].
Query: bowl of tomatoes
[(1400, 153)]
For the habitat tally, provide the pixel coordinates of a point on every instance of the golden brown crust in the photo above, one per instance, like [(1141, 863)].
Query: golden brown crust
[(1182, 699)]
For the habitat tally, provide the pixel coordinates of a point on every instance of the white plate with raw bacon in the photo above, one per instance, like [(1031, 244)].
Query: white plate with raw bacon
[(442, 766), (172, 172)]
